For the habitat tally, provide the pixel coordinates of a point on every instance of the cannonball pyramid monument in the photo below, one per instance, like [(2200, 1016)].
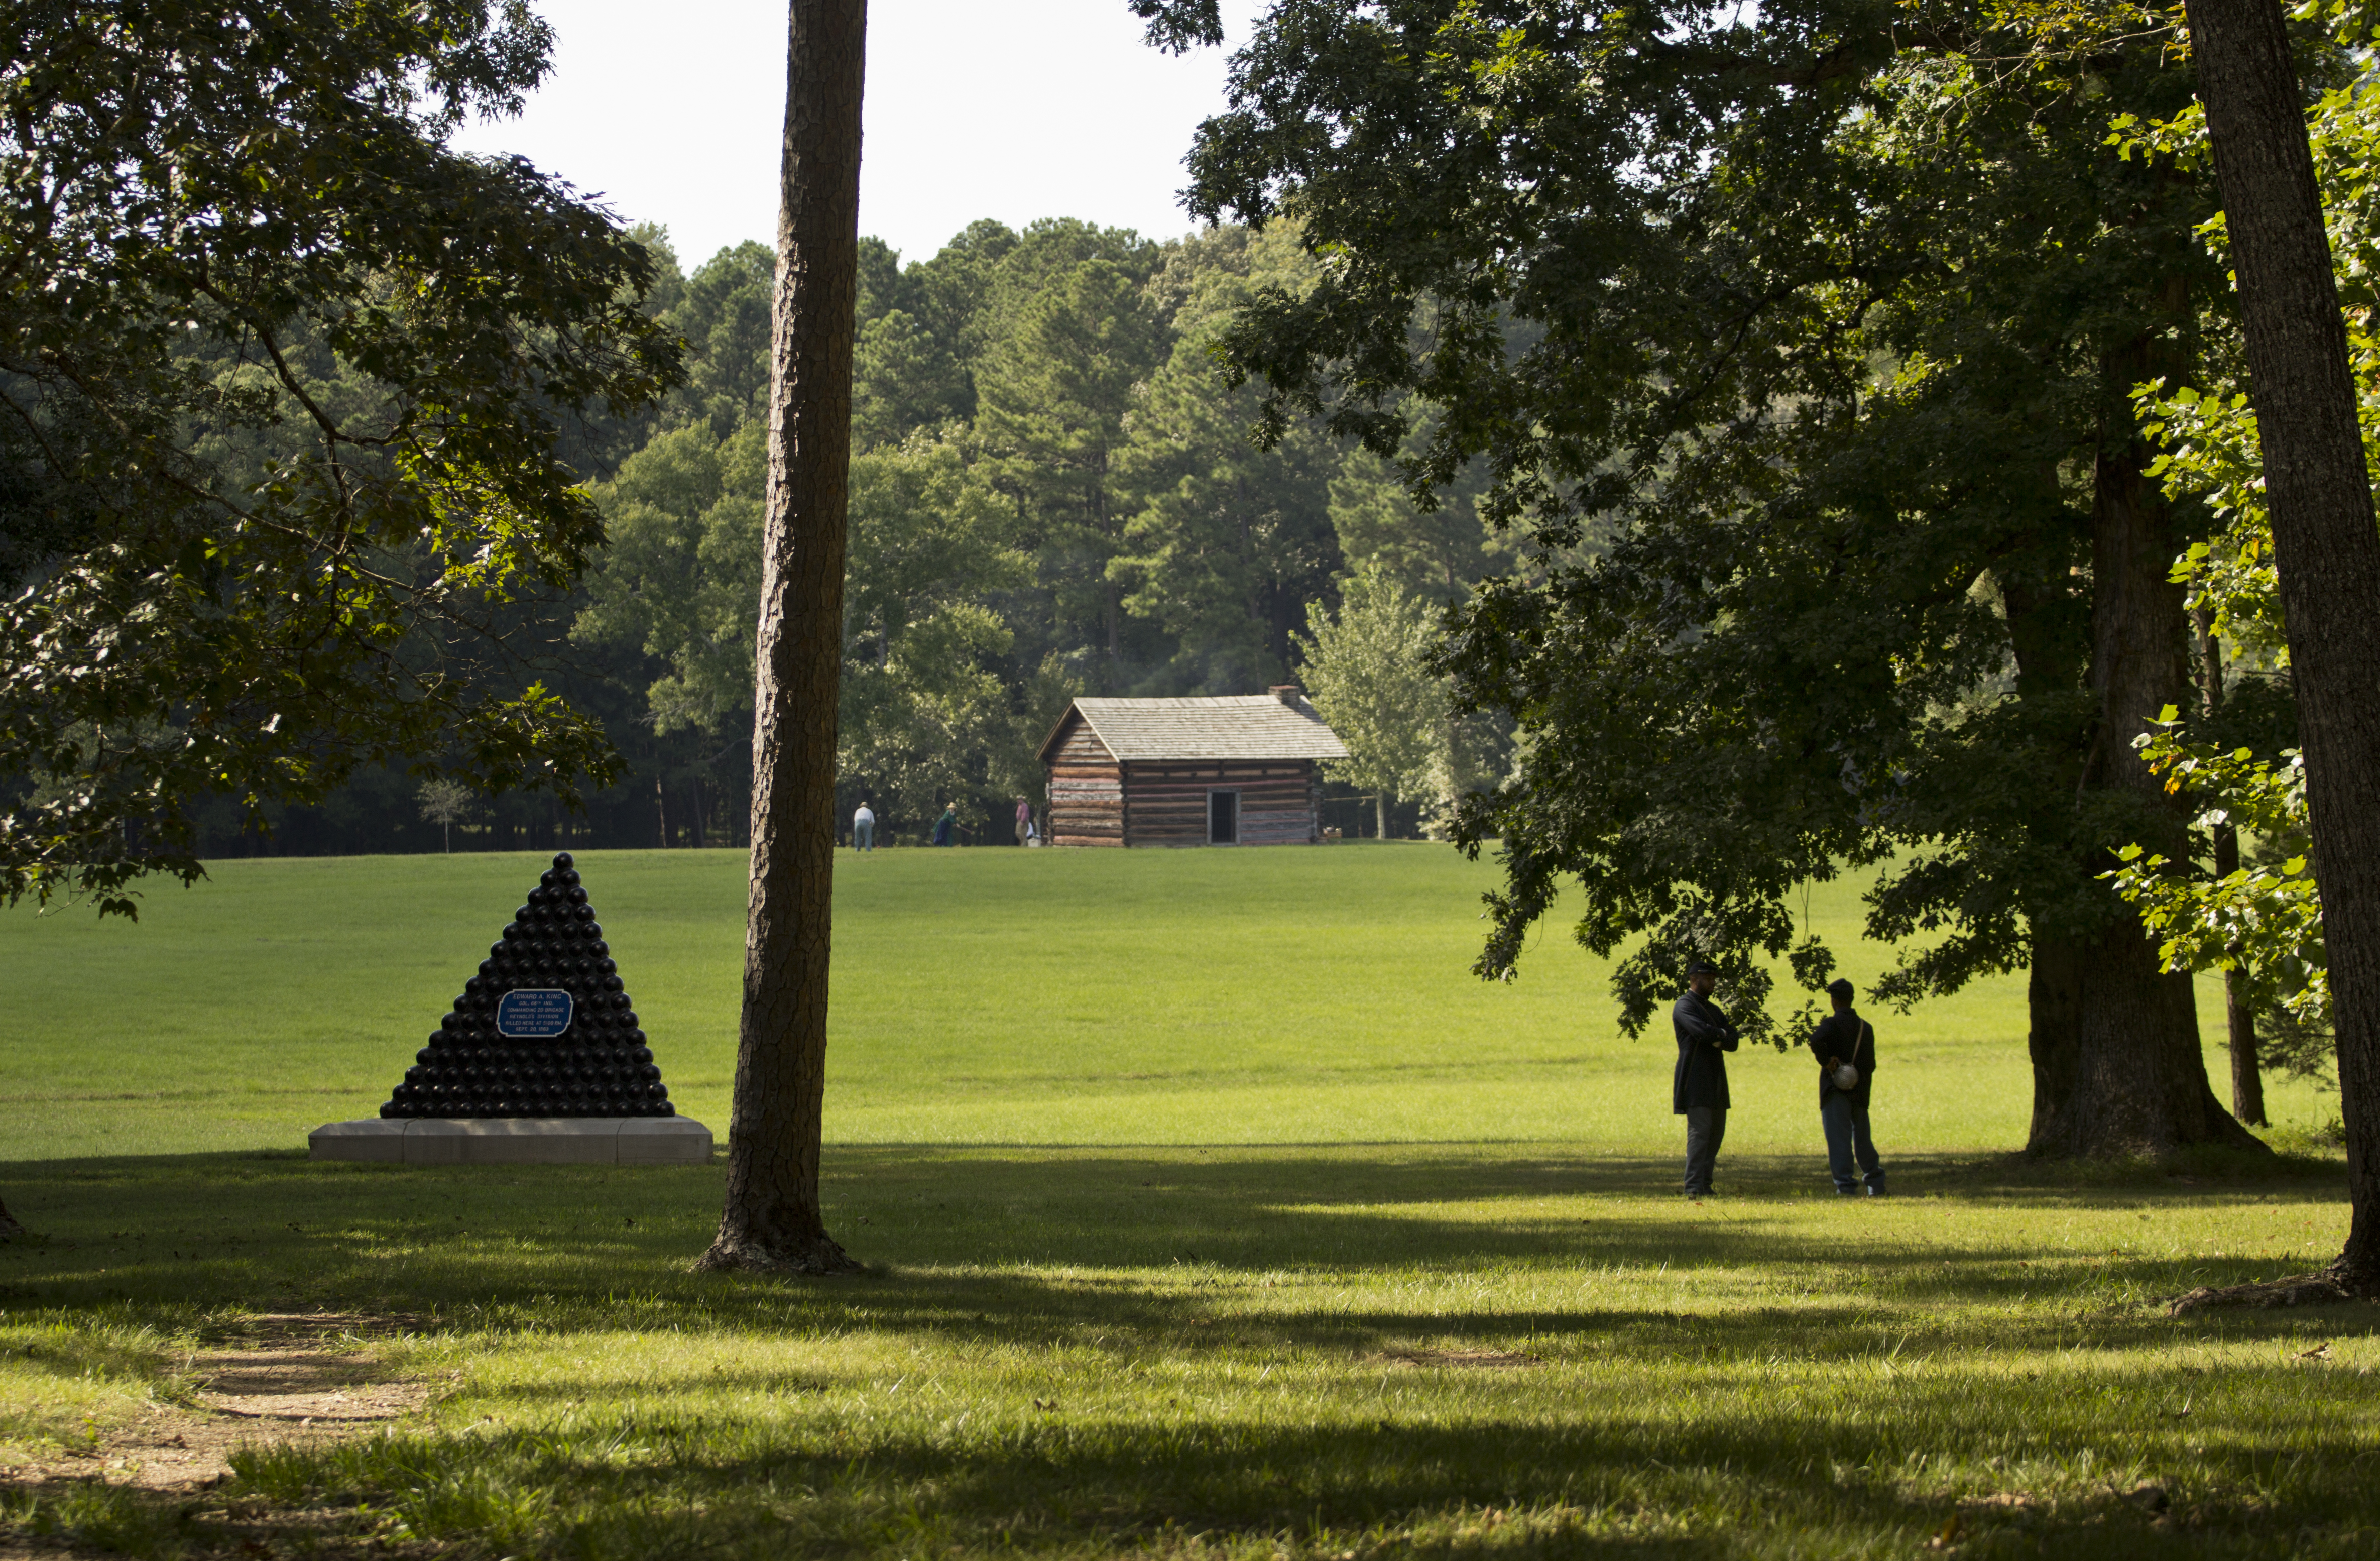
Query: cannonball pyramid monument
[(541, 1059)]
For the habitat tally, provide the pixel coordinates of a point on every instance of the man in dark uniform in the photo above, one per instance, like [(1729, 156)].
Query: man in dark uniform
[(1842, 1037), (1698, 1089)]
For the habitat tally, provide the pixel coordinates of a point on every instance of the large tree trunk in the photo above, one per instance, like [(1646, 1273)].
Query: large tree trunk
[(2118, 1067), (2326, 542), (773, 1219)]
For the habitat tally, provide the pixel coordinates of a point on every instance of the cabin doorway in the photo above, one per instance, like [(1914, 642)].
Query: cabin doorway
[(1223, 817)]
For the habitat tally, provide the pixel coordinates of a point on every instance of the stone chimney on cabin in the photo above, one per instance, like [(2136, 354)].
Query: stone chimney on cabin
[(1285, 692)]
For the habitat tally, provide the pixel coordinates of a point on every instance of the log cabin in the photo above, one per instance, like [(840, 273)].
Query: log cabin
[(1237, 771)]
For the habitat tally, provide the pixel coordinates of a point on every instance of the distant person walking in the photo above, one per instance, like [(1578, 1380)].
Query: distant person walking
[(1024, 821), (947, 825), (1844, 1044), (1698, 1089), (863, 828)]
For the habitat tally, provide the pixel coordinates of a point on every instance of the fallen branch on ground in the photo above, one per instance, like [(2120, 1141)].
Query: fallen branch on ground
[(2297, 1289)]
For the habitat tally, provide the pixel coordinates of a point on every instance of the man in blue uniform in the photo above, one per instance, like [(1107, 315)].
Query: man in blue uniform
[(1842, 1038), (1698, 1089)]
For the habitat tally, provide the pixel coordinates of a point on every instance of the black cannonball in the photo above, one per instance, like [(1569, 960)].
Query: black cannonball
[(582, 913), (424, 1054), (576, 895), (635, 1036), (562, 861), (570, 876), (608, 967), (600, 949), (513, 931), (488, 966), (641, 1053), (595, 931), (389, 1110)]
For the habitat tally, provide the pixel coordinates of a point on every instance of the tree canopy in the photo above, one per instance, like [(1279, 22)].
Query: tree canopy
[(1804, 343), (285, 385)]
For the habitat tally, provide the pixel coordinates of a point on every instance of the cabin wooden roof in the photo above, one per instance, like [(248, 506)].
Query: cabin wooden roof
[(1232, 726)]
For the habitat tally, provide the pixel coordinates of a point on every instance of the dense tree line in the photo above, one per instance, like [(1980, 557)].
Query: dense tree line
[(1053, 491)]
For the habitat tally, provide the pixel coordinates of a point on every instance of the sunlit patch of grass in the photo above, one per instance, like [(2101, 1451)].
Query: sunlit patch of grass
[(983, 996), (65, 1379)]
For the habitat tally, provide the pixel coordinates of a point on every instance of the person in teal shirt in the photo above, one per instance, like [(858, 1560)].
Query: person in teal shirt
[(947, 825)]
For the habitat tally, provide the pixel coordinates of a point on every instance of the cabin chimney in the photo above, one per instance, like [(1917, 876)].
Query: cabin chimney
[(1285, 692)]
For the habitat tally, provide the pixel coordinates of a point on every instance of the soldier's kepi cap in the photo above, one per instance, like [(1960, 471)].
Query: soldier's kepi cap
[(1840, 988), (1702, 968)]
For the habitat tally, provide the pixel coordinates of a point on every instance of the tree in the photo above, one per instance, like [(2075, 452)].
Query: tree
[(773, 1220), (681, 579), (1229, 541), (927, 715), (1820, 325), (282, 387), (1368, 671), (2326, 540), (445, 803), (1054, 393), (724, 314), (1440, 553)]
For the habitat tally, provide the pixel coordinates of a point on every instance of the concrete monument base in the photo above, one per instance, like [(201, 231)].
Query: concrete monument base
[(514, 1140)]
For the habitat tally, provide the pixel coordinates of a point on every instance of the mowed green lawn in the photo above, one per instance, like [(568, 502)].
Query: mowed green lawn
[(989, 996), (1209, 1209)]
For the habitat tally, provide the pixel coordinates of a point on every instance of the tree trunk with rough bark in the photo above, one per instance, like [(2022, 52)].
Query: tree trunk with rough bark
[(2326, 540), (773, 1220), (2118, 1066)]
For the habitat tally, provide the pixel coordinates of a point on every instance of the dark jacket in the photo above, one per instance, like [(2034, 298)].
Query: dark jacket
[(1703, 1035), (1852, 1038)]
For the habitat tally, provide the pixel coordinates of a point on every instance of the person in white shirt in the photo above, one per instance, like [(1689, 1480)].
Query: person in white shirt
[(863, 828)]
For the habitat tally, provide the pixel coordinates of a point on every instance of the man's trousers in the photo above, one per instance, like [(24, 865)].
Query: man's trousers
[(1847, 1141), (1706, 1130)]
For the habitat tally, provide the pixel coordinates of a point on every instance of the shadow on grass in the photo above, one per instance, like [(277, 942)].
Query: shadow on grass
[(1050, 1244), (1609, 1481)]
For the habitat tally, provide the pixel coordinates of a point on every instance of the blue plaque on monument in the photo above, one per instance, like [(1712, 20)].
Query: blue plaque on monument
[(540, 1013)]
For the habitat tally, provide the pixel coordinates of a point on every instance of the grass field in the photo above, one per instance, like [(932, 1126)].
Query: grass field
[(1209, 1210), (980, 997)]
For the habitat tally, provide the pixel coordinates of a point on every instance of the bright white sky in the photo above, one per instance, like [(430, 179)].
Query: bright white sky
[(1012, 109)]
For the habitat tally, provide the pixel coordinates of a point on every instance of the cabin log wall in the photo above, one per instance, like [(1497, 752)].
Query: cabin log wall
[(1085, 790), (1165, 804)]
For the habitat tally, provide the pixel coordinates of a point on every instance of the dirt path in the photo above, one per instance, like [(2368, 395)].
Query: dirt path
[(292, 1378)]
